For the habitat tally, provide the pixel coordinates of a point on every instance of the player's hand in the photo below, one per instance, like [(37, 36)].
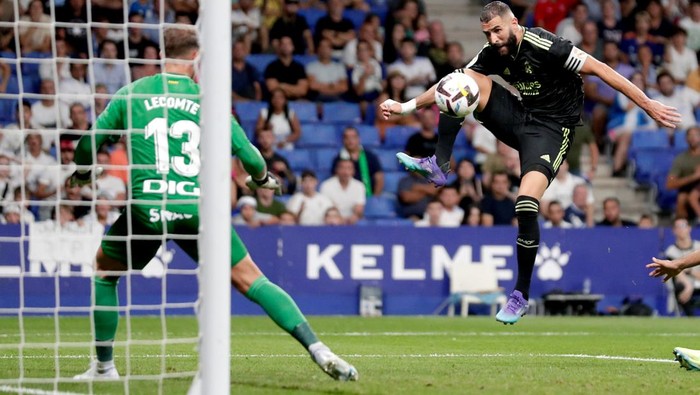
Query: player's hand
[(664, 115), (664, 267), (85, 178), (389, 108), (269, 182)]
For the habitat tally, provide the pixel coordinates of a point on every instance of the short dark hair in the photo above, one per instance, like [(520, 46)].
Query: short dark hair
[(105, 42), (494, 9), (308, 173), (180, 41)]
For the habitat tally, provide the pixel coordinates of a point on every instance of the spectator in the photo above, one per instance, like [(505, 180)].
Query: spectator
[(333, 217), (633, 119), (580, 212), (591, 42), (328, 80), (467, 184), (294, 26), (659, 25), (104, 213), (137, 41), (366, 76), (76, 88), (505, 159), (472, 216), (395, 90), (419, 72), (455, 59), (281, 120), (108, 70), (248, 214), (44, 111), (571, 28), (691, 24), (245, 80), (422, 143), (101, 99), (185, 10), (113, 9), (452, 215), (609, 27), (414, 194), (111, 187), (275, 162), (335, 27), (79, 122), (14, 214), (686, 285), (368, 34), (628, 14), (646, 67), (73, 198), (267, 204), (684, 99), (245, 23), (562, 187), (101, 33), (679, 59), (32, 36), (60, 61), (391, 47), (611, 214), (309, 206), (41, 175), (437, 49), (67, 157), (646, 221), (483, 141), (498, 207), (685, 172), (148, 68), (555, 217), (10, 179), (346, 193), (74, 12), (287, 219), (583, 137), (285, 73), (11, 135), (631, 41), (432, 216), (368, 169)]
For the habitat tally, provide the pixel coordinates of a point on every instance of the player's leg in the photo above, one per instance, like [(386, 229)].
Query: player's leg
[(541, 154), (435, 168), (112, 256), (689, 359)]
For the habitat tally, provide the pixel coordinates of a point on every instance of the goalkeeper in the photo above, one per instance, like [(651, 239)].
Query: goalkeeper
[(160, 115)]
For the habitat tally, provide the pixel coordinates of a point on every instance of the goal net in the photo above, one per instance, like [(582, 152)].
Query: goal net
[(61, 62)]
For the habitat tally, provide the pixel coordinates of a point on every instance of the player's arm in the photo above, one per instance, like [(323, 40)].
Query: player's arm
[(671, 268), (252, 160), (661, 113)]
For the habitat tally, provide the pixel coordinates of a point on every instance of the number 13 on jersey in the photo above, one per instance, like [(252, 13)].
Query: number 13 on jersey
[(187, 164)]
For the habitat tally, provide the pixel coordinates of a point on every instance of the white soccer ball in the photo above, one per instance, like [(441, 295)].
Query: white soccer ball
[(457, 95)]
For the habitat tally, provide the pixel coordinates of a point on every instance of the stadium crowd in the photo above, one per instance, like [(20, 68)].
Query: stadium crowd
[(307, 78)]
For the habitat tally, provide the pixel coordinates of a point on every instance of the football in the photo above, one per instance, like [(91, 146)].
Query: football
[(457, 95)]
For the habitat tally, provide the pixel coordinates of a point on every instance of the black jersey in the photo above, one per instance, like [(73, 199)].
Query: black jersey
[(545, 72)]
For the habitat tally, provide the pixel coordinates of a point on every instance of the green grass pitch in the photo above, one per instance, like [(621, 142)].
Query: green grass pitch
[(394, 355)]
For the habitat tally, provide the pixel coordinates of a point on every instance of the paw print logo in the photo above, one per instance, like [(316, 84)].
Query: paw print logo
[(550, 261), (156, 266)]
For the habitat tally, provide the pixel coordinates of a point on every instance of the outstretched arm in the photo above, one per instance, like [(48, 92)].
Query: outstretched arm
[(670, 269), (661, 113), (425, 99)]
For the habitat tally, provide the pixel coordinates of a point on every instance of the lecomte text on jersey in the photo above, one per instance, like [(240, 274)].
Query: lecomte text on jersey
[(178, 103)]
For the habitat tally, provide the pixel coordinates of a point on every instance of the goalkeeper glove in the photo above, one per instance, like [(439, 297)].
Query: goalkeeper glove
[(270, 181), (82, 178)]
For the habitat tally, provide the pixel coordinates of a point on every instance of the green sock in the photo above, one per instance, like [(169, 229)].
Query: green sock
[(105, 321), (282, 309)]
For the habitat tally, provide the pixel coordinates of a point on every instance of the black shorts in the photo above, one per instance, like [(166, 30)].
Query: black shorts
[(542, 143)]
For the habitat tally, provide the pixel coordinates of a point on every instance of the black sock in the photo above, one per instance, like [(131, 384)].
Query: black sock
[(526, 210), (448, 128)]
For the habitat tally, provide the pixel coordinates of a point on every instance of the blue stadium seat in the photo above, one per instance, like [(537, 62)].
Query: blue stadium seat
[(341, 113), (305, 59), (396, 136), (462, 140), (249, 110), (260, 61), (679, 141), (355, 16), (306, 111), (369, 135), (8, 108), (463, 153), (249, 129), (665, 198), (650, 162), (647, 139), (391, 181), (318, 135), (299, 159), (380, 207), (388, 160), (323, 158), (312, 15)]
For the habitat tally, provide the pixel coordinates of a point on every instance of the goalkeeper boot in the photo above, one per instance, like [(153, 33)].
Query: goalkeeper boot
[(426, 167), (99, 371), (689, 359), (513, 310), (333, 365)]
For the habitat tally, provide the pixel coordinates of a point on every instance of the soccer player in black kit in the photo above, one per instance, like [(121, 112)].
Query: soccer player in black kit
[(544, 68)]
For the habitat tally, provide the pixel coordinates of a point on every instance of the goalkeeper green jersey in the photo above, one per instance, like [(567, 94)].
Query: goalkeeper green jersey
[(161, 117)]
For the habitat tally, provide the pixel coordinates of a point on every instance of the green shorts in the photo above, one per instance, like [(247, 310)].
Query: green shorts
[(151, 227)]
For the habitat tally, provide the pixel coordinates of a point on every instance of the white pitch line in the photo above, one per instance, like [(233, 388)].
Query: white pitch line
[(428, 356), (32, 391)]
